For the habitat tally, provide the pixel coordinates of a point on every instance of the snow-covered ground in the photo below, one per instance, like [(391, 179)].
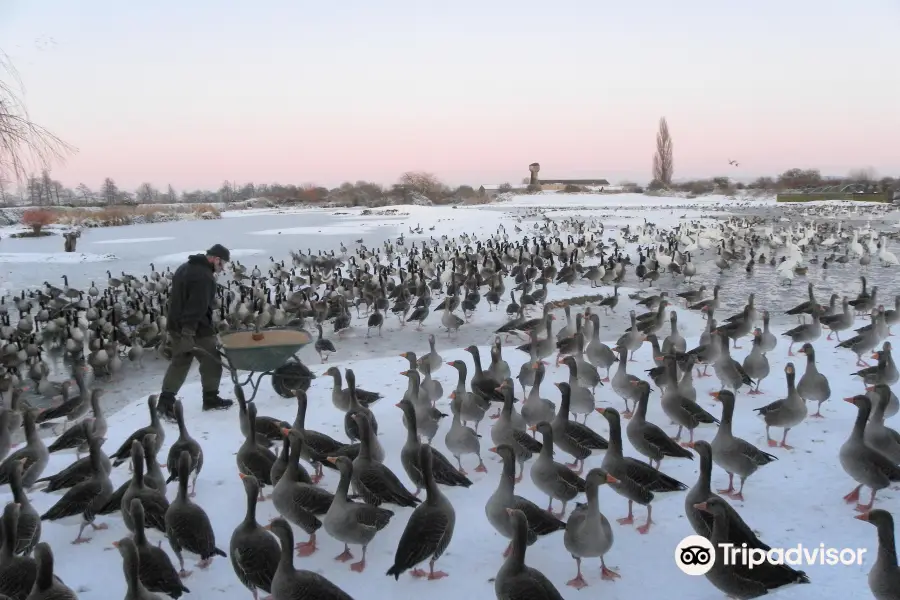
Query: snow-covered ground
[(795, 500)]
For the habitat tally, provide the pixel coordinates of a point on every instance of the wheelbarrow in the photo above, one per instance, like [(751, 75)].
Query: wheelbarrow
[(267, 352)]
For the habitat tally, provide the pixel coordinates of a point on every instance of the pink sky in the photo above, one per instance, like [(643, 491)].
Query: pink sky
[(295, 92)]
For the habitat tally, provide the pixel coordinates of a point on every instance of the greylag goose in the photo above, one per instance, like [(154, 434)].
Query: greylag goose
[(893, 404), (470, 406), (297, 501), (733, 454), (636, 481), (73, 437), (442, 469), (599, 354), (373, 481), (17, 573), (184, 443), (884, 577), (298, 584), (340, 396), (508, 431), (863, 463), (433, 389), (499, 368), (807, 332), (769, 339), (540, 522), (674, 342), (515, 580), (702, 522), (588, 532), (877, 435), (885, 371), (428, 531), (632, 339), (29, 529), (862, 343), (572, 437), (351, 427), (536, 409), (352, 522), (729, 371), (813, 386), (553, 478), (33, 455), (426, 417), (461, 440), (252, 458), (648, 438), (85, 498), (755, 364), (684, 411), (151, 474), (152, 499), (132, 567), (318, 446), (738, 580), (432, 359), (786, 413), (809, 307), (124, 452), (581, 399), (156, 572), (187, 524), (623, 383), (253, 551), (838, 322), (46, 585)]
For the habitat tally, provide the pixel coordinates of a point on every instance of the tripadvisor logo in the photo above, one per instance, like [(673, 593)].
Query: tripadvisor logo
[(696, 555)]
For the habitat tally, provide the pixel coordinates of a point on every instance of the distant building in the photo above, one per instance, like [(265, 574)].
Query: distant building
[(558, 184), (489, 189)]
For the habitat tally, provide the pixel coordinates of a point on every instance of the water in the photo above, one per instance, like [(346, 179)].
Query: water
[(165, 245)]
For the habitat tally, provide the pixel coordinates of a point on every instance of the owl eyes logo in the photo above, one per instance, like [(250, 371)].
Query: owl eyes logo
[(695, 555)]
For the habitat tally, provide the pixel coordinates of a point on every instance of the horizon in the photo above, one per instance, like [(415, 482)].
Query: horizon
[(196, 95)]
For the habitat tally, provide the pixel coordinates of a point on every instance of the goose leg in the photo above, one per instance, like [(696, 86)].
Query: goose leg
[(643, 529), (866, 507), (818, 414), (730, 489), (308, 547), (739, 495), (360, 566), (772, 443), (480, 468), (345, 555), (578, 582), (630, 518), (784, 441)]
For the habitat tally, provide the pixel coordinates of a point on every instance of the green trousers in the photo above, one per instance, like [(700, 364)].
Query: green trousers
[(180, 365)]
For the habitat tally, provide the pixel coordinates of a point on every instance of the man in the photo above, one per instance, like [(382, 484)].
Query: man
[(189, 325)]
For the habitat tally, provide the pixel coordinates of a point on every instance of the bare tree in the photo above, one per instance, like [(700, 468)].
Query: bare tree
[(87, 196), (424, 183), (171, 195), (24, 145), (145, 194), (109, 191), (4, 197), (664, 159), (866, 175)]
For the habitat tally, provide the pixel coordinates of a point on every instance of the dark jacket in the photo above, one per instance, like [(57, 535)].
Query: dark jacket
[(191, 297)]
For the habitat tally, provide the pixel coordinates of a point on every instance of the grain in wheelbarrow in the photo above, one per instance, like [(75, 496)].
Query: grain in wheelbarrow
[(243, 340)]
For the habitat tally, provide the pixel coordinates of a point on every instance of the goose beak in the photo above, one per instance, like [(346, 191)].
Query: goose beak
[(702, 506), (494, 450), (862, 517), (849, 400), (285, 431), (331, 459), (714, 395), (600, 410), (611, 479), (398, 405), (404, 372)]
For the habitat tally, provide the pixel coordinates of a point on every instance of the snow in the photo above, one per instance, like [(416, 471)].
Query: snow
[(54, 257), (344, 228), (180, 257), (795, 500), (144, 240)]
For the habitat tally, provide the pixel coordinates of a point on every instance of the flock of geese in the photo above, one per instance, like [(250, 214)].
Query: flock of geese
[(95, 331)]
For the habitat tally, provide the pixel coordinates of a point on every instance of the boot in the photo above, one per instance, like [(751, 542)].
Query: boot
[(165, 406), (212, 401)]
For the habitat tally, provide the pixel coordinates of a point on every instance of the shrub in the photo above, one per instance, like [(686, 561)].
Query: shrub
[(655, 185), (37, 218)]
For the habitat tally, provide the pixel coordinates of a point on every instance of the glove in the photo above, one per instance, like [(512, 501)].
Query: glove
[(186, 343)]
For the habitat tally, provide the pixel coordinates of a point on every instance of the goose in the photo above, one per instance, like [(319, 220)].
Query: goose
[(554, 479), (540, 522), (755, 364), (878, 435), (649, 439), (462, 440), (785, 413), (734, 455), (290, 582), (637, 482), (863, 463), (429, 530), (254, 553), (884, 576), (515, 580), (572, 437), (588, 532), (738, 580), (352, 522)]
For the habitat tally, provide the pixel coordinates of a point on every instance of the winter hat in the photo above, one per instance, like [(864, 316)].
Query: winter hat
[(219, 251)]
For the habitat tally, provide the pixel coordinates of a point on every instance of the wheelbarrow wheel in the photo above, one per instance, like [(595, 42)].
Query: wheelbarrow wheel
[(291, 376)]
